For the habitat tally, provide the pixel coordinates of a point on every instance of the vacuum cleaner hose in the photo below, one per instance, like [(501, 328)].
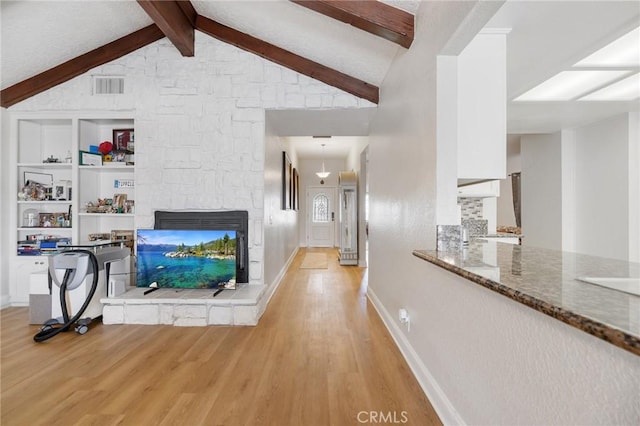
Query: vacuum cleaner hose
[(48, 333)]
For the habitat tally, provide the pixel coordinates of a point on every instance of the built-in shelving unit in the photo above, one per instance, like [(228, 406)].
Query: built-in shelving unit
[(45, 148)]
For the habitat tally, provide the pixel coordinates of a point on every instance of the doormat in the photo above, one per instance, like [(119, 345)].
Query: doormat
[(314, 261)]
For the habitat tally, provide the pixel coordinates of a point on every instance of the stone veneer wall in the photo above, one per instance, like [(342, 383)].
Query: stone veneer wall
[(200, 125)]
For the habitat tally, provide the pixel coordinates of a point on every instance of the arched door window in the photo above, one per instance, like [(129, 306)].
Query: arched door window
[(320, 209)]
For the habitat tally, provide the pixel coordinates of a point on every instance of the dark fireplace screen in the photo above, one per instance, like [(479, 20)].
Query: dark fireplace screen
[(235, 220)]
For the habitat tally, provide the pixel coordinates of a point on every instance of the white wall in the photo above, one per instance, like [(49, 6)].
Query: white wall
[(403, 182), (200, 128), (280, 226), (5, 193), (634, 187), (482, 358), (541, 182), (580, 189), (352, 163), (499, 362), (602, 188), (307, 170)]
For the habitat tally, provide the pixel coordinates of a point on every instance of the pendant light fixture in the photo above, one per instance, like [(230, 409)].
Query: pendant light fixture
[(323, 174)]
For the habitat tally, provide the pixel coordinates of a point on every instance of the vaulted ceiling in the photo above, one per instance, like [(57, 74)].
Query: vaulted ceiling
[(347, 44), (546, 38)]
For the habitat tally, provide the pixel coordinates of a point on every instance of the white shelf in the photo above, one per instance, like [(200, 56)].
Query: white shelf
[(48, 229), (46, 202), (36, 136), (108, 167), (106, 214), (46, 165)]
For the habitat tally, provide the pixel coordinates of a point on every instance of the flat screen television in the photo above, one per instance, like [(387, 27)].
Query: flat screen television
[(186, 258)]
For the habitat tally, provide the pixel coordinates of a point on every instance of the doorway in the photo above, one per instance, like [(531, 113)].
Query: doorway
[(321, 216)]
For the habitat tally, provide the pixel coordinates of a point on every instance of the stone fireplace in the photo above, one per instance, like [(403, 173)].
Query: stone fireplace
[(194, 307)]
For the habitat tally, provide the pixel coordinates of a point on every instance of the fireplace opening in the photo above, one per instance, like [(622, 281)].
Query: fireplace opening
[(234, 220)]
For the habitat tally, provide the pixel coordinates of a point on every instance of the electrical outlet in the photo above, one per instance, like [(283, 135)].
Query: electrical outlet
[(403, 316)]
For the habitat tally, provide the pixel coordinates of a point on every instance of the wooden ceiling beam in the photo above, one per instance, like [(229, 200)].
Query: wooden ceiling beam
[(79, 65), (288, 59), (170, 17), (189, 11), (375, 17)]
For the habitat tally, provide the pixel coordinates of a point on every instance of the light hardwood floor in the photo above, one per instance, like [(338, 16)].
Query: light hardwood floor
[(319, 356)]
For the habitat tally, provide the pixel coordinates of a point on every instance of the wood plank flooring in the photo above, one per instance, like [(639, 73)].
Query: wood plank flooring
[(319, 356)]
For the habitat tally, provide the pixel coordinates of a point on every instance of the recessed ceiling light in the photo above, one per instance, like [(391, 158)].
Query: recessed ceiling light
[(627, 89), (568, 85), (622, 52)]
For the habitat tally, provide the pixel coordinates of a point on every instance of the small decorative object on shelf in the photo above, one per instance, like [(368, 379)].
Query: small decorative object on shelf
[(124, 235), (101, 236), (119, 156), (30, 218), (51, 159), (34, 191), (117, 204), (124, 183)]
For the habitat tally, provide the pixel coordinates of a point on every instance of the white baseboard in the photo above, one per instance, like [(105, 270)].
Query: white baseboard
[(446, 411), (271, 289), (5, 301)]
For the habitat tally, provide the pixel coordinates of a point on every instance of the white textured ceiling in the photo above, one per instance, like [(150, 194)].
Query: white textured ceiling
[(38, 35), (338, 147), (307, 33), (548, 37)]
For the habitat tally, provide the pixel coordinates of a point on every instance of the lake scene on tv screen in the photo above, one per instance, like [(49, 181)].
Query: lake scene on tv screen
[(186, 259)]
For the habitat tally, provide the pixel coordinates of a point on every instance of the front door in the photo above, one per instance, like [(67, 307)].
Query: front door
[(320, 217)]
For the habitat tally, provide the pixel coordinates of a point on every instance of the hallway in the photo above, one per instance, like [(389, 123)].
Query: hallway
[(319, 356)]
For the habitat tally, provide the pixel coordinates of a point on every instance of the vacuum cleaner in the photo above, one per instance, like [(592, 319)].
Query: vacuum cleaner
[(79, 276)]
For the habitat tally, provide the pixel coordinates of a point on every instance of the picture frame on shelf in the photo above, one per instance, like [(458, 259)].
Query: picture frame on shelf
[(123, 140), (53, 220), (61, 190), (90, 158), (44, 179), (119, 156)]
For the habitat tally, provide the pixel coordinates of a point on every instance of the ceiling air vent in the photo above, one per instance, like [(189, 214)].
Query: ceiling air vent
[(104, 85)]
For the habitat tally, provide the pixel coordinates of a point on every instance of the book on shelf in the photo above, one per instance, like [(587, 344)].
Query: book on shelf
[(37, 247)]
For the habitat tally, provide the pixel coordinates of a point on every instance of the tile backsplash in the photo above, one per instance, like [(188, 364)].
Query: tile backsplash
[(471, 208)]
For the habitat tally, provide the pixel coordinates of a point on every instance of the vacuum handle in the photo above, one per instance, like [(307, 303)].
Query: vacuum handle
[(77, 262)]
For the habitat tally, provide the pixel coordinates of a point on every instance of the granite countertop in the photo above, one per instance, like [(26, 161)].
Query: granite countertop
[(545, 280)]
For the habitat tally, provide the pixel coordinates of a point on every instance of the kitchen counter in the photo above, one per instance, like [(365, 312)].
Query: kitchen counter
[(545, 280)]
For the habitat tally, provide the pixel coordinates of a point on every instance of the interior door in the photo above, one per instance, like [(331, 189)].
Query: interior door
[(320, 217)]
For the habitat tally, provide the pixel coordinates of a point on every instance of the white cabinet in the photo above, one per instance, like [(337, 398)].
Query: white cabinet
[(45, 148), (480, 190), (482, 108), (21, 269)]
